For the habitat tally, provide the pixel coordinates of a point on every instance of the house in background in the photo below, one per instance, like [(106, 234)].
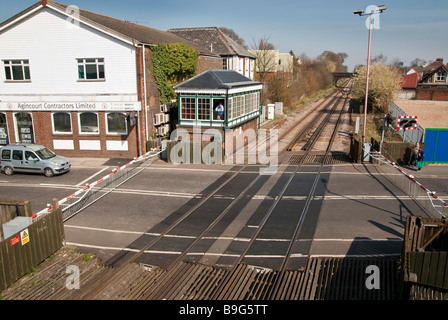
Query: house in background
[(271, 63), (433, 82), (235, 57), (409, 86), (79, 82)]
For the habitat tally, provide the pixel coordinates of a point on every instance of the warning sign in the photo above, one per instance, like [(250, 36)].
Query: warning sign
[(24, 236), (15, 240)]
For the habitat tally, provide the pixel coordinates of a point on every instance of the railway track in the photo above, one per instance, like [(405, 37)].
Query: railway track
[(178, 276), (228, 208)]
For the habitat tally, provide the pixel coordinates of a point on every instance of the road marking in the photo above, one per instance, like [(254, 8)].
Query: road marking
[(83, 183)]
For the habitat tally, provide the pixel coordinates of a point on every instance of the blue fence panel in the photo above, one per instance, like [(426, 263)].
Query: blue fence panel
[(441, 154), (430, 145), (436, 145)]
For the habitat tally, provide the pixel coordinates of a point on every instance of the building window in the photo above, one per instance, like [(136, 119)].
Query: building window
[(188, 108), (230, 108), (91, 69), (17, 70), (88, 123), (3, 130), (203, 109), (116, 123), (24, 127), (441, 76), (62, 122), (219, 109)]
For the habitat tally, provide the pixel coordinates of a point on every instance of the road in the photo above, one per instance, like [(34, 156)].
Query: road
[(357, 211)]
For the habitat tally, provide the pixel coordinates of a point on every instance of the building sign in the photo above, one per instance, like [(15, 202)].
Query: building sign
[(70, 106)]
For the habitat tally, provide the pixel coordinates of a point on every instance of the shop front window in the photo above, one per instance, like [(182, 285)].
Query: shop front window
[(24, 127), (116, 123), (88, 123), (62, 123), (3, 130)]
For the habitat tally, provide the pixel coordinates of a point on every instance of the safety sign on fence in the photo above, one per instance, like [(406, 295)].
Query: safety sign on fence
[(407, 123)]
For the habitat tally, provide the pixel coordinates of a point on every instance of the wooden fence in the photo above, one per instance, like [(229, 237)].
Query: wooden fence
[(425, 259), (30, 246)]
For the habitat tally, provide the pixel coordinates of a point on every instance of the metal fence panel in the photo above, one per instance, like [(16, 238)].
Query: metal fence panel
[(412, 136)]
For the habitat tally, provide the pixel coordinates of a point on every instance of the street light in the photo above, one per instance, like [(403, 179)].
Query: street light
[(360, 12)]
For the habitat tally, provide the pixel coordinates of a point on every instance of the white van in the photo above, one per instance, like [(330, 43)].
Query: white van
[(22, 157)]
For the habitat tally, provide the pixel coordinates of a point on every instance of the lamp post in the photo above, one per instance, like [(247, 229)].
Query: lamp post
[(361, 12)]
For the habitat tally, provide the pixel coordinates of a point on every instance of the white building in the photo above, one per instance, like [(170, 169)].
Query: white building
[(78, 82)]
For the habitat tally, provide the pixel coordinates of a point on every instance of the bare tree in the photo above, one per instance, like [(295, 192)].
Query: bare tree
[(266, 57), (234, 36)]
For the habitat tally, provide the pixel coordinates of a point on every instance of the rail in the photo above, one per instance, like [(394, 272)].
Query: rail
[(220, 293), (173, 265)]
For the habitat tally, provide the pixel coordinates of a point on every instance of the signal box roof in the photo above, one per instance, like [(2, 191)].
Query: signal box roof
[(217, 80)]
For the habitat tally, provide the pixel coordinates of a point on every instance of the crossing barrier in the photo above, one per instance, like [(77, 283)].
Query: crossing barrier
[(94, 191), (427, 198)]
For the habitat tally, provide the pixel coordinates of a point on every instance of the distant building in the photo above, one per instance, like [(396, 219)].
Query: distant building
[(432, 81), (409, 86), (81, 83), (235, 57), (273, 63)]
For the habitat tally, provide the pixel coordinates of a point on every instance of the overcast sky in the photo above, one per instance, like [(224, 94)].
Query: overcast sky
[(408, 29)]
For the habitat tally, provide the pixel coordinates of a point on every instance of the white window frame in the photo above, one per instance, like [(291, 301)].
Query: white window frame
[(116, 133), (16, 129), (7, 128), (52, 123), (8, 63), (441, 76), (97, 121), (97, 63)]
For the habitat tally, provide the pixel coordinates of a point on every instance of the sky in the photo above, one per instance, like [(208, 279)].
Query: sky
[(408, 29)]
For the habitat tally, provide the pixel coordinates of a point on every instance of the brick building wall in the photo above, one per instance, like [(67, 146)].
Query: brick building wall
[(43, 134), (208, 63), (432, 93)]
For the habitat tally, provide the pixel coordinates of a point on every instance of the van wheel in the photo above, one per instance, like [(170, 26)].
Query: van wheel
[(48, 172), (9, 171)]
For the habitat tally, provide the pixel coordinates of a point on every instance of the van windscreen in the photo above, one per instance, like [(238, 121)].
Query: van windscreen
[(45, 153)]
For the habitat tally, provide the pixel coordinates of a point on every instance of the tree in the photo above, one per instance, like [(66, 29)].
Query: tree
[(384, 84), (266, 57), (234, 36), (172, 64)]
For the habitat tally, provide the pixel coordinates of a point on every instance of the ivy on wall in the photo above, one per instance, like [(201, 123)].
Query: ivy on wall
[(172, 64)]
